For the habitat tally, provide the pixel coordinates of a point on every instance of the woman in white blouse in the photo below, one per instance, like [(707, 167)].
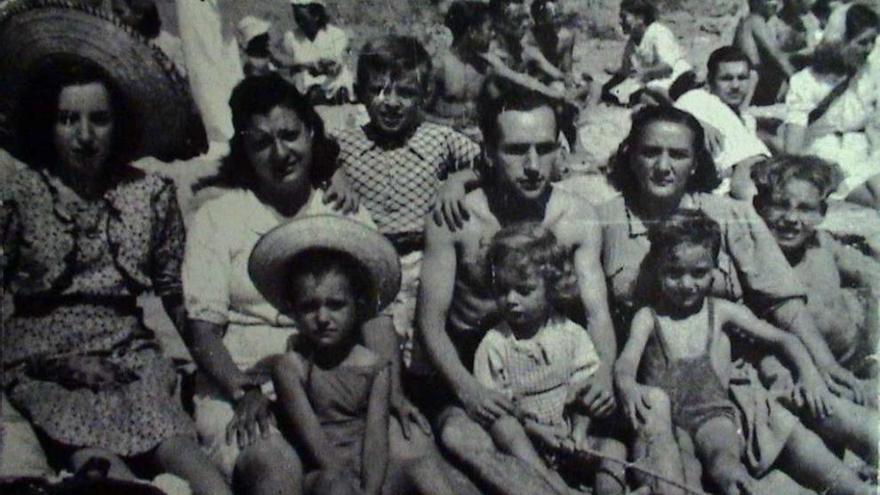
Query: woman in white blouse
[(278, 156), (833, 106)]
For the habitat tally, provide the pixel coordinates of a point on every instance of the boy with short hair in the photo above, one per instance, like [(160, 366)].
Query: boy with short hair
[(397, 164)]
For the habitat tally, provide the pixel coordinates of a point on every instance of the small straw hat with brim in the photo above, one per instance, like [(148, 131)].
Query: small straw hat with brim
[(269, 263), (33, 31), (307, 2), (250, 27)]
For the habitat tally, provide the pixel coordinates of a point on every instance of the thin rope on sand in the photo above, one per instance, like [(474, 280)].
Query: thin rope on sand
[(586, 452)]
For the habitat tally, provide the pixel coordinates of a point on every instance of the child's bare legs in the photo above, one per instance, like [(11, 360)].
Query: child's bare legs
[(472, 446), (850, 426), (718, 447), (511, 438), (809, 462), (268, 467), (331, 482), (693, 471), (610, 476), (118, 468), (655, 447), (416, 463), (182, 457)]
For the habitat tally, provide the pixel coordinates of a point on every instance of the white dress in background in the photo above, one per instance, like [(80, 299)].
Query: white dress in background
[(658, 44), (846, 142), (212, 61), (330, 43)]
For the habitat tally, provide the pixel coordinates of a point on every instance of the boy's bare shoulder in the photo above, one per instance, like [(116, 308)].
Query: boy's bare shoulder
[(362, 357), (568, 210)]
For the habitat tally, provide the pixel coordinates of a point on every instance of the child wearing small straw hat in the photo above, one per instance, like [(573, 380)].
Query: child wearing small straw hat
[(331, 275), (253, 39)]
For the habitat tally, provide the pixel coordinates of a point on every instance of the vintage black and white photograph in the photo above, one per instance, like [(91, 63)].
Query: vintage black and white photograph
[(439, 247)]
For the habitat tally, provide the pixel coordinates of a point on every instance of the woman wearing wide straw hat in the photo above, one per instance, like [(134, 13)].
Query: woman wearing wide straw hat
[(83, 234)]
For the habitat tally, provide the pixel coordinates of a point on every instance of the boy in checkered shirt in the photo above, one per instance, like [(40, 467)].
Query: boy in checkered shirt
[(540, 361), (398, 165)]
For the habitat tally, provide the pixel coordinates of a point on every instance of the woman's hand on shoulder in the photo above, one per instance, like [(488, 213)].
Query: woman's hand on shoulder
[(341, 194), (449, 208)]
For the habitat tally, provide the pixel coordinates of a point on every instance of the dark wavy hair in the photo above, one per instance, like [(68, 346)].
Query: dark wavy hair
[(705, 176), (317, 11), (723, 55), (34, 118), (828, 58), (685, 226), (464, 16), (642, 8), (258, 95), (771, 175), (525, 250)]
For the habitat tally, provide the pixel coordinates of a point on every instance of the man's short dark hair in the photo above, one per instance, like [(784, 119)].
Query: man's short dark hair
[(642, 8), (464, 16), (724, 55), (498, 96)]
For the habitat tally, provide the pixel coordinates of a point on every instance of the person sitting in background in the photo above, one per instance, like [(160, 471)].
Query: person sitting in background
[(833, 106), (253, 39), (548, 49), (654, 63), (315, 54), (756, 38), (548, 52), (720, 110), (460, 71)]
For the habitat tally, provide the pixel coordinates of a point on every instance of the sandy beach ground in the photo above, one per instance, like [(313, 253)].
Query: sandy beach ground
[(701, 26)]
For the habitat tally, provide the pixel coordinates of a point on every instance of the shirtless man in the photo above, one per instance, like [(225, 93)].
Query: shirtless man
[(456, 306), (460, 73), (773, 36)]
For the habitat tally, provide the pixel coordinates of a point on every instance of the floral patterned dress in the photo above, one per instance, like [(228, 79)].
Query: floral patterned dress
[(73, 270)]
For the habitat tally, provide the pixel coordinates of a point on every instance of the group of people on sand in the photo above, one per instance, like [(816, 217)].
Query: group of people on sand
[(421, 304)]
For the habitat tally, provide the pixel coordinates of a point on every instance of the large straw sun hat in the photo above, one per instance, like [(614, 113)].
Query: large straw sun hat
[(34, 31), (269, 263)]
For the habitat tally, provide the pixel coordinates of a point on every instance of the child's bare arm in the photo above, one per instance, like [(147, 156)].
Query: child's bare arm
[(815, 391), (627, 365), (375, 455), (288, 376)]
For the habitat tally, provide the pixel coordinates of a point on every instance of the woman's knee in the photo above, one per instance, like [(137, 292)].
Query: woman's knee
[(659, 409), (332, 482), (268, 458), (460, 434)]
